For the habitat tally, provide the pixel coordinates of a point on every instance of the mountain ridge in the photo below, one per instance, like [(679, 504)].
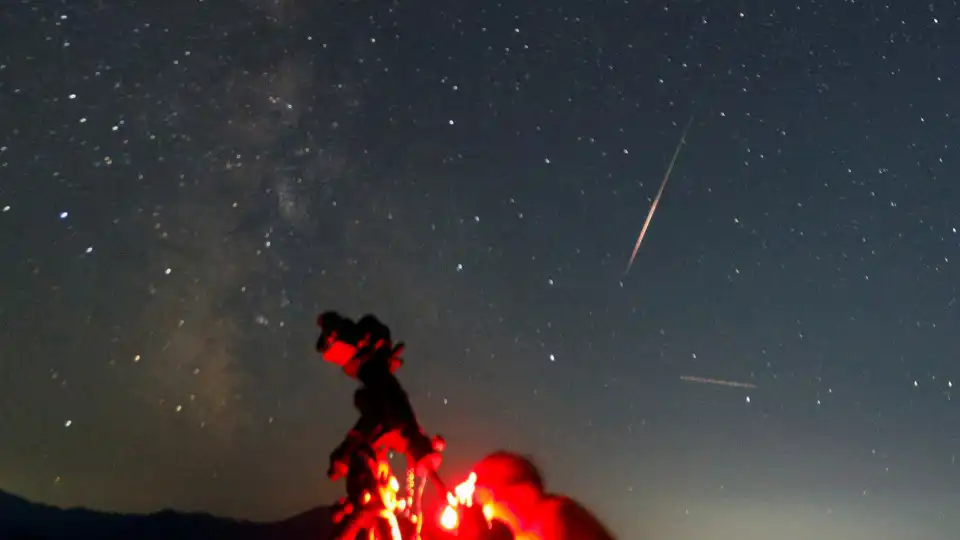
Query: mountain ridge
[(21, 519)]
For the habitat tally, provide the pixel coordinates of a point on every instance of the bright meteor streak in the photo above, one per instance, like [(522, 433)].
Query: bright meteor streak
[(656, 200)]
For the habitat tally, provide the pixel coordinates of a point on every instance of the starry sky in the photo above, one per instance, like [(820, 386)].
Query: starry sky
[(185, 185)]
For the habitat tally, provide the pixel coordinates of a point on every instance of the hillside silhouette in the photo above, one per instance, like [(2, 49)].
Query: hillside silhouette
[(21, 519)]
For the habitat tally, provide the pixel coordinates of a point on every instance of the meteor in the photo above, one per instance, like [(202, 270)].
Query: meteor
[(656, 200), (720, 382)]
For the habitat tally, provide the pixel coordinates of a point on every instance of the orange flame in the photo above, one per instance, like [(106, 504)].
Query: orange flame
[(462, 496), (449, 519)]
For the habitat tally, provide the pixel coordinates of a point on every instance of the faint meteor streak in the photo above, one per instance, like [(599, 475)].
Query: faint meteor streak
[(656, 200), (720, 382)]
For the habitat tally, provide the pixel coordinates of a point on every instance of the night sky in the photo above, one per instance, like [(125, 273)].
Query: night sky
[(185, 185)]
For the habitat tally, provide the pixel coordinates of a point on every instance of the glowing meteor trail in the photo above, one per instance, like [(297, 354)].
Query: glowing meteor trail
[(656, 200), (720, 382)]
